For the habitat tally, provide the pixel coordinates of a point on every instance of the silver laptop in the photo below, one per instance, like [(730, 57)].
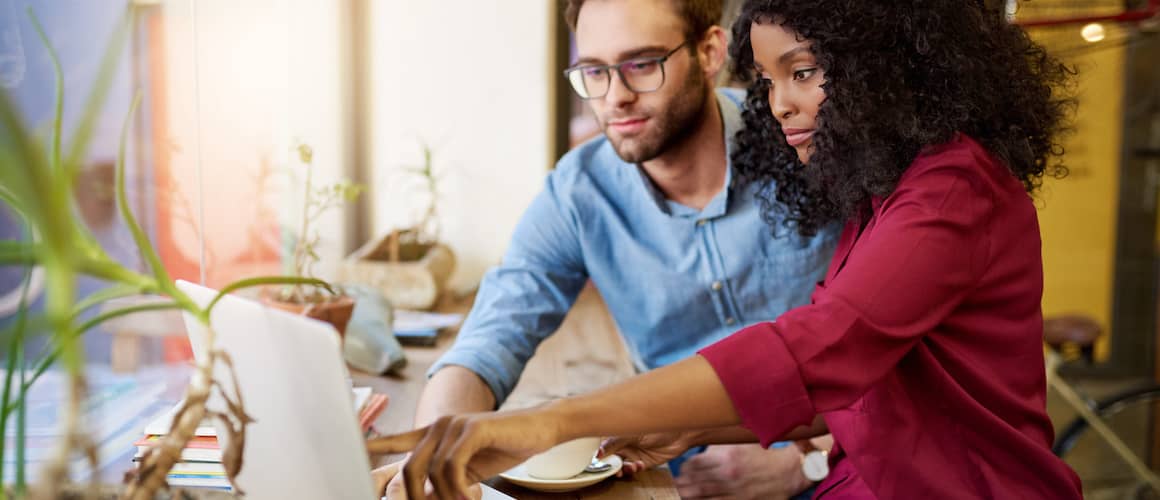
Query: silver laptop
[(305, 441)]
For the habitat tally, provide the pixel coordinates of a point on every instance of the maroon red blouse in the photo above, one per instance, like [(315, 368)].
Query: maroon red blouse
[(922, 349)]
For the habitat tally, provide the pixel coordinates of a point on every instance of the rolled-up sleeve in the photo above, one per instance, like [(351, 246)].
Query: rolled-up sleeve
[(900, 280), (523, 300)]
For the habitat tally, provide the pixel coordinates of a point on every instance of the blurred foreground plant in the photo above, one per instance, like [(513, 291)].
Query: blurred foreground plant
[(36, 183)]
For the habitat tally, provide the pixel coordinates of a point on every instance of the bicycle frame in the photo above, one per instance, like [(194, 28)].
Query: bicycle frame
[(1097, 423)]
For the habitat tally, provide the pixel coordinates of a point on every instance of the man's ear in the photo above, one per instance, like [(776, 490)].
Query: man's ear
[(712, 51)]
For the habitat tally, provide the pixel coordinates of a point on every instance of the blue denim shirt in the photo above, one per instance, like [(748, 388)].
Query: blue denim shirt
[(674, 279)]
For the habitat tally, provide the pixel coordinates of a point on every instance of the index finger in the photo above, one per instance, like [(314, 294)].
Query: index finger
[(612, 445), (397, 443)]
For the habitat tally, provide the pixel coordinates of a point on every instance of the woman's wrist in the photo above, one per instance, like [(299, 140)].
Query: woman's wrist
[(564, 416)]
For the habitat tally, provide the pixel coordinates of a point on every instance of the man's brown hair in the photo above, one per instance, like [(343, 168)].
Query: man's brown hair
[(698, 15)]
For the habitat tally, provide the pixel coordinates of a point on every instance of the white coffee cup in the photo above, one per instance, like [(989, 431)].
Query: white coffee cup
[(564, 460)]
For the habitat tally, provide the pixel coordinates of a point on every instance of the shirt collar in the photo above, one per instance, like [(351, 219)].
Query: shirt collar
[(731, 117)]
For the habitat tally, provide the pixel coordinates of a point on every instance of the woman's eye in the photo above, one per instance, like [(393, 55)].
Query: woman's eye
[(803, 74)]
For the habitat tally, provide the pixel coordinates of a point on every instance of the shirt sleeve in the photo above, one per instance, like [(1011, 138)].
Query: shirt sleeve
[(523, 300), (900, 280)]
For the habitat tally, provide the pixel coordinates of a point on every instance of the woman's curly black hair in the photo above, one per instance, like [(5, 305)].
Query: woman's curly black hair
[(900, 75)]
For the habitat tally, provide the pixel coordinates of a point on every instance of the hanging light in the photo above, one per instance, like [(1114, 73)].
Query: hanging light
[(1093, 32)]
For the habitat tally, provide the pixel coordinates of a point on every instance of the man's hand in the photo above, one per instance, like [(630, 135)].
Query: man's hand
[(389, 483), (386, 475), (743, 472), (644, 452)]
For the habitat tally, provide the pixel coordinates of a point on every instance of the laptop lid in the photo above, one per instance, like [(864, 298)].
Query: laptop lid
[(305, 441)]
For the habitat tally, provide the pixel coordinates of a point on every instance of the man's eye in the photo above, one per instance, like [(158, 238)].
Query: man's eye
[(592, 72), (638, 66)]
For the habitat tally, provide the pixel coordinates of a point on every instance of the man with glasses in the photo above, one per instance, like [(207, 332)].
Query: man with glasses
[(651, 214)]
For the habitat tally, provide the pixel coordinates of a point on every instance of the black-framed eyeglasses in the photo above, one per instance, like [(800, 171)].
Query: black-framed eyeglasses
[(640, 75)]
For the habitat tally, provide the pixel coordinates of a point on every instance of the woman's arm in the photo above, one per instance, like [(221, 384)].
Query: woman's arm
[(459, 450), (737, 434), (682, 396)]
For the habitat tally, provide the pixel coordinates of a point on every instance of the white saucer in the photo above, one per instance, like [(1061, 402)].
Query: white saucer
[(520, 477)]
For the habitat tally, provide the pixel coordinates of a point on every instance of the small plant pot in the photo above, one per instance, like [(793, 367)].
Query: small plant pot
[(335, 310), (411, 276)]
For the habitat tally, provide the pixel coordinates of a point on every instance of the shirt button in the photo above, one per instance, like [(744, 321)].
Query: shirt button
[(716, 285), (701, 222), (730, 321)]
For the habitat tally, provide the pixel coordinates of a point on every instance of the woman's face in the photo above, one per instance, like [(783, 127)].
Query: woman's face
[(795, 83)]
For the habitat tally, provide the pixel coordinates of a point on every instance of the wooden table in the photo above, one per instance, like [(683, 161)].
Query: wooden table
[(585, 349), (649, 485)]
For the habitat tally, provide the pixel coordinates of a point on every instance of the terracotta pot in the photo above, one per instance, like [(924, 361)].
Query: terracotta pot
[(335, 310)]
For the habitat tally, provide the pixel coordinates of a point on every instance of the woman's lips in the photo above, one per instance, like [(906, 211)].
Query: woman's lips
[(797, 136)]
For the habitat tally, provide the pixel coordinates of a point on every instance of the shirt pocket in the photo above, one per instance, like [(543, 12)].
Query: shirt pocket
[(794, 257)]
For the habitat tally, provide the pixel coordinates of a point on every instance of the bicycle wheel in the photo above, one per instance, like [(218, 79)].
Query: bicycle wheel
[(1133, 415)]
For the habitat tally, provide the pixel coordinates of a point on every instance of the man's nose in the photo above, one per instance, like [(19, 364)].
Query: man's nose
[(618, 93)]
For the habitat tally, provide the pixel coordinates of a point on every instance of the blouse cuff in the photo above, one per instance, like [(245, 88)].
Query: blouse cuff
[(762, 379)]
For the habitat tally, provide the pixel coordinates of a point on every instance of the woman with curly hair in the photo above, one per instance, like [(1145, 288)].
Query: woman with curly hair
[(923, 127)]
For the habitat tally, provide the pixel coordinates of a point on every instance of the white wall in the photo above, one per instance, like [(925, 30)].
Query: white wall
[(473, 78)]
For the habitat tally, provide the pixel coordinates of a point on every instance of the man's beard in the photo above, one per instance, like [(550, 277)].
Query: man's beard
[(676, 122)]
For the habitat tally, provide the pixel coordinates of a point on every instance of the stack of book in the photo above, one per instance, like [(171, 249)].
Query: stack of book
[(201, 459)]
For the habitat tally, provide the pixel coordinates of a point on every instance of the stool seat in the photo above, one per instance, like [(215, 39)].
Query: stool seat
[(1075, 329)]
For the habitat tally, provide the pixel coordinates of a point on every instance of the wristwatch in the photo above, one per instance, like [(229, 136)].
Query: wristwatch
[(815, 462)]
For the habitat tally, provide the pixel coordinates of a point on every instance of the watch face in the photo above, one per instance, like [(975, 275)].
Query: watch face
[(815, 466)]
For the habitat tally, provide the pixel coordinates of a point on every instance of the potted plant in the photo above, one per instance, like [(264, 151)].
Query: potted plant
[(37, 181), (410, 266), (320, 303)]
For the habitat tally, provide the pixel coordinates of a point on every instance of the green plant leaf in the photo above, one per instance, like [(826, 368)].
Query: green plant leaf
[(22, 253), (58, 110), (116, 291), (253, 282), (351, 191), (124, 311), (23, 173), (83, 134), (139, 235), (45, 363), (305, 153), (15, 362)]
